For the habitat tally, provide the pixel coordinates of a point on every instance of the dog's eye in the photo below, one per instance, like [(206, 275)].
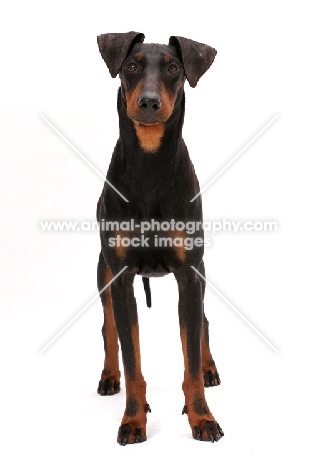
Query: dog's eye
[(172, 68), (132, 67)]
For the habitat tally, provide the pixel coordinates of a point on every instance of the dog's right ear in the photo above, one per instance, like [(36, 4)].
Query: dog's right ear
[(114, 48)]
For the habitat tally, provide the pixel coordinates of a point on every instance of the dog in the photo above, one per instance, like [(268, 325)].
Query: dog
[(150, 182)]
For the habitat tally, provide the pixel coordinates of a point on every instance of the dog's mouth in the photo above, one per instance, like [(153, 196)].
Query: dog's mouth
[(145, 119)]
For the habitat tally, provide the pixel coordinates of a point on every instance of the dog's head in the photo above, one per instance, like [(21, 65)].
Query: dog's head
[(152, 75)]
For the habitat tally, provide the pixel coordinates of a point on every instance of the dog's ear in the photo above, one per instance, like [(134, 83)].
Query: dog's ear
[(196, 57), (114, 48)]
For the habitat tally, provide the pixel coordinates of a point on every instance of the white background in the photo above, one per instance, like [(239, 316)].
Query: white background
[(51, 414)]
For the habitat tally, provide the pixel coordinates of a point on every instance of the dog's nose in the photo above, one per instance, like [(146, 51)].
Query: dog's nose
[(149, 102)]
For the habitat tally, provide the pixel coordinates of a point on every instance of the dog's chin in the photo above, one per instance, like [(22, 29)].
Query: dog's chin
[(145, 122)]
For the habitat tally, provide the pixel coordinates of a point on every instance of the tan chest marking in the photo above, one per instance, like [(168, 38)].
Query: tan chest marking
[(121, 250), (149, 136), (178, 237)]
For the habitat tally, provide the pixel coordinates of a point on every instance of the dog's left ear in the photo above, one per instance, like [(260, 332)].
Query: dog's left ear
[(114, 48), (196, 57)]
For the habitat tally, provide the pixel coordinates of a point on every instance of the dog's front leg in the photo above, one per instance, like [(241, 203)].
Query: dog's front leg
[(133, 424), (202, 422)]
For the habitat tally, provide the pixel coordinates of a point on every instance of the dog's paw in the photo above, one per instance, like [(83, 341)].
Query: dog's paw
[(108, 386), (131, 434), (211, 378), (208, 431)]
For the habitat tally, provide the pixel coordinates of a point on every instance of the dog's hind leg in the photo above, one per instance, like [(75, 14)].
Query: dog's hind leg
[(110, 378), (210, 373)]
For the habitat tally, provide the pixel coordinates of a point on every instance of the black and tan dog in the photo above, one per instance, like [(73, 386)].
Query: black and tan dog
[(151, 169)]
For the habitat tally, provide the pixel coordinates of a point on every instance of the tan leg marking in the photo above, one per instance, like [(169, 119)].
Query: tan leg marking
[(111, 372)]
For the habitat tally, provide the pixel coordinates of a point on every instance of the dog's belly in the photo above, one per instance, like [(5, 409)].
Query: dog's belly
[(153, 271)]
